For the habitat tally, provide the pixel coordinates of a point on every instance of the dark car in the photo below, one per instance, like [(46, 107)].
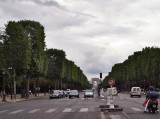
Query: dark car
[(55, 94), (74, 93)]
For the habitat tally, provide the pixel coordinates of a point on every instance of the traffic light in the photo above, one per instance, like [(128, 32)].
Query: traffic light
[(100, 75)]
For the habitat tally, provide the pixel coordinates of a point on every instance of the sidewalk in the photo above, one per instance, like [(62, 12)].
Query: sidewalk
[(18, 98)]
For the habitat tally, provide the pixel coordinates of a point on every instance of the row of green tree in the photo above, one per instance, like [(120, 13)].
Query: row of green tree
[(26, 60), (140, 69)]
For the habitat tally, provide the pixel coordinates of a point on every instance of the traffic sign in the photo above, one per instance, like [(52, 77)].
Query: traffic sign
[(111, 81)]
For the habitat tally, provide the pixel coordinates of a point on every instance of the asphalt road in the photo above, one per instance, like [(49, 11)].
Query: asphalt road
[(76, 108), (45, 108), (132, 107)]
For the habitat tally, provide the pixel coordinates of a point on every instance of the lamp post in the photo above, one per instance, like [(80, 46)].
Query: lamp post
[(4, 93)]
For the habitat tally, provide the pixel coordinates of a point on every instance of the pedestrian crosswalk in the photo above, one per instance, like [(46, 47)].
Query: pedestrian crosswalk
[(136, 109), (3, 111), (17, 111), (67, 110), (33, 111), (52, 110)]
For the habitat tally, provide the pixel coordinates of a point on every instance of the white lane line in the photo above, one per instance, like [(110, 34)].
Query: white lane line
[(3, 111), (136, 109), (83, 110), (103, 99), (115, 117), (14, 112), (102, 115), (67, 110), (82, 98), (50, 110), (33, 111)]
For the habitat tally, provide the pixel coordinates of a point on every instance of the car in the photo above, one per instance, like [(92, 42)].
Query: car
[(112, 90), (88, 93), (74, 93), (135, 91), (55, 94)]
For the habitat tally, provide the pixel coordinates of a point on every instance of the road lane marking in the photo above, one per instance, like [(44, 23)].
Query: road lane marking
[(115, 117), (83, 110), (50, 110), (33, 111), (136, 109), (103, 99), (3, 111), (67, 110), (102, 115), (14, 112), (89, 98)]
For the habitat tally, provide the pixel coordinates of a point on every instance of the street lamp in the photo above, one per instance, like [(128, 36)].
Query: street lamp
[(4, 93)]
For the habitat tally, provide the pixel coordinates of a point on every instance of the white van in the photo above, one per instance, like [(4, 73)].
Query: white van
[(135, 91)]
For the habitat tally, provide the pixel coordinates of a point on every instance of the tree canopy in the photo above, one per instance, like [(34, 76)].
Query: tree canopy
[(140, 69)]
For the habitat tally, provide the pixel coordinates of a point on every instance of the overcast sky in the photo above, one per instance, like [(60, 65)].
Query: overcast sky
[(95, 34)]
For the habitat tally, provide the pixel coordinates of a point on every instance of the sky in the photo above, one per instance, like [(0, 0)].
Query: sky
[(95, 34)]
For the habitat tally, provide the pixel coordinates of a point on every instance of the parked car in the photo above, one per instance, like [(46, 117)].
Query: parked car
[(88, 93), (74, 93), (135, 91), (55, 94)]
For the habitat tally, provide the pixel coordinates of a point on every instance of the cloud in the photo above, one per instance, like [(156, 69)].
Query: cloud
[(48, 3), (94, 34)]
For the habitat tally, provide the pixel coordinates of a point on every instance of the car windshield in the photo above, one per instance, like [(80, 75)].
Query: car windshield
[(88, 91), (74, 91), (56, 92)]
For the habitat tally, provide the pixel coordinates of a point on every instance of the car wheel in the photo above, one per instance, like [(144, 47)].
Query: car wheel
[(130, 95)]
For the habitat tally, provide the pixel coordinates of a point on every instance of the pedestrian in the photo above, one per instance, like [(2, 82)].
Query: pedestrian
[(99, 91), (0, 93)]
